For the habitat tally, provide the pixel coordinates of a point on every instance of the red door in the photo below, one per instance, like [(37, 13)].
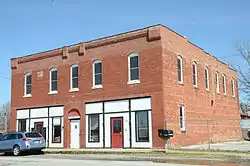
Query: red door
[(116, 132), (38, 126)]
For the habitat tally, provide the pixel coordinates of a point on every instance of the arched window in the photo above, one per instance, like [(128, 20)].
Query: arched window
[(28, 84), (224, 83), (206, 78), (217, 82), (195, 79), (133, 65), (74, 77), (233, 87), (180, 69), (53, 80), (97, 74)]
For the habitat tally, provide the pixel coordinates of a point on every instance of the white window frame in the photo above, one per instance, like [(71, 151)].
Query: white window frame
[(217, 82), (195, 84), (207, 79), (50, 82), (93, 66), (233, 87), (25, 86), (181, 70), (182, 121), (71, 83), (129, 74), (224, 84)]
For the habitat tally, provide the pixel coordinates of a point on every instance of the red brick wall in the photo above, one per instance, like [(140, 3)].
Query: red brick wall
[(197, 101)]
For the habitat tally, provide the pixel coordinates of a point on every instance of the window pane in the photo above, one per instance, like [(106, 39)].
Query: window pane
[(75, 82), (93, 128), (28, 89), (134, 74), (206, 78), (134, 62), (142, 131), (179, 70), (57, 134), (98, 68), (98, 79), (53, 75), (54, 86), (33, 135), (194, 75), (22, 125), (181, 117), (75, 71), (117, 126), (28, 79)]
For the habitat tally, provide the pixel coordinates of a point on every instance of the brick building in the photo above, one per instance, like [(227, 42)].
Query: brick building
[(117, 91)]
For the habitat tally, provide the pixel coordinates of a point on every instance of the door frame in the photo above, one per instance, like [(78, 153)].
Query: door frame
[(36, 123), (111, 130), (79, 132)]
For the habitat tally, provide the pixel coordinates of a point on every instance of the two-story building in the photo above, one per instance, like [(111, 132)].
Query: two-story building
[(117, 91)]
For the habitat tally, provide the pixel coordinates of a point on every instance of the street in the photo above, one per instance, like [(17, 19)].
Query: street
[(40, 160)]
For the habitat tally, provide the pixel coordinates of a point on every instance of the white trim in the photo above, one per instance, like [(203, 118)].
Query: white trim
[(207, 79), (53, 92), (217, 82), (195, 84), (71, 84), (93, 74), (224, 83), (50, 83), (182, 107), (25, 86), (74, 117), (129, 74), (233, 87), (180, 81), (27, 96)]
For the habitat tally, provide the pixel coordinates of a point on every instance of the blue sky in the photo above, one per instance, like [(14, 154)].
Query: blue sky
[(29, 26)]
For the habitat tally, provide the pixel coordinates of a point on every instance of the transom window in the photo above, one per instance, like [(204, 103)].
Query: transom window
[(180, 72), (28, 84), (133, 67), (206, 78), (217, 82), (195, 81), (53, 80), (224, 83), (97, 74), (74, 77)]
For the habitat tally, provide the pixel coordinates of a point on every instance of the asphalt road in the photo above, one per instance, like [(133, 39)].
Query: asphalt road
[(47, 160)]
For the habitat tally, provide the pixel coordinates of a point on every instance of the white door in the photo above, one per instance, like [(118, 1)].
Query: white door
[(75, 134)]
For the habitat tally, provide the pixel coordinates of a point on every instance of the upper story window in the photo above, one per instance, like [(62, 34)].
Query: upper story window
[(74, 78), (53, 80), (195, 79), (28, 84), (97, 74), (180, 69), (206, 78), (133, 64), (224, 83), (233, 87), (217, 82), (182, 118)]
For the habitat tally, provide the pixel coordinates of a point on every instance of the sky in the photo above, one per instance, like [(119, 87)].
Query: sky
[(31, 26)]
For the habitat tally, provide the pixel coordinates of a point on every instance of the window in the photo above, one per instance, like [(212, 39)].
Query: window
[(56, 133), (233, 87), (20, 136), (182, 118), (206, 79), (74, 77), (33, 135), (93, 128), (141, 125), (133, 60), (28, 87), (217, 82), (224, 83), (22, 125), (195, 74), (53, 80), (97, 74), (179, 66)]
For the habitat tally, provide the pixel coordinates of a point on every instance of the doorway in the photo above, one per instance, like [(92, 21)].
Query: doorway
[(117, 132), (75, 134)]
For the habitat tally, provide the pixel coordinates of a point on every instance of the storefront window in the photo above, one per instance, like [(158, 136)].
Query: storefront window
[(94, 133), (57, 133), (22, 125), (142, 129)]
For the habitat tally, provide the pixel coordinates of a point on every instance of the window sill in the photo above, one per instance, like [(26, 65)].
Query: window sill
[(74, 90), (134, 82), (97, 87), (225, 94), (207, 90), (183, 130), (27, 96), (195, 86), (53, 92), (181, 83)]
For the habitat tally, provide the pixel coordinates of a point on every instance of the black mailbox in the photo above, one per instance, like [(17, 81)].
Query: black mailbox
[(166, 134)]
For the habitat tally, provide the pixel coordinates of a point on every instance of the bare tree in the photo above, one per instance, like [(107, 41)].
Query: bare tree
[(244, 70), (4, 116)]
